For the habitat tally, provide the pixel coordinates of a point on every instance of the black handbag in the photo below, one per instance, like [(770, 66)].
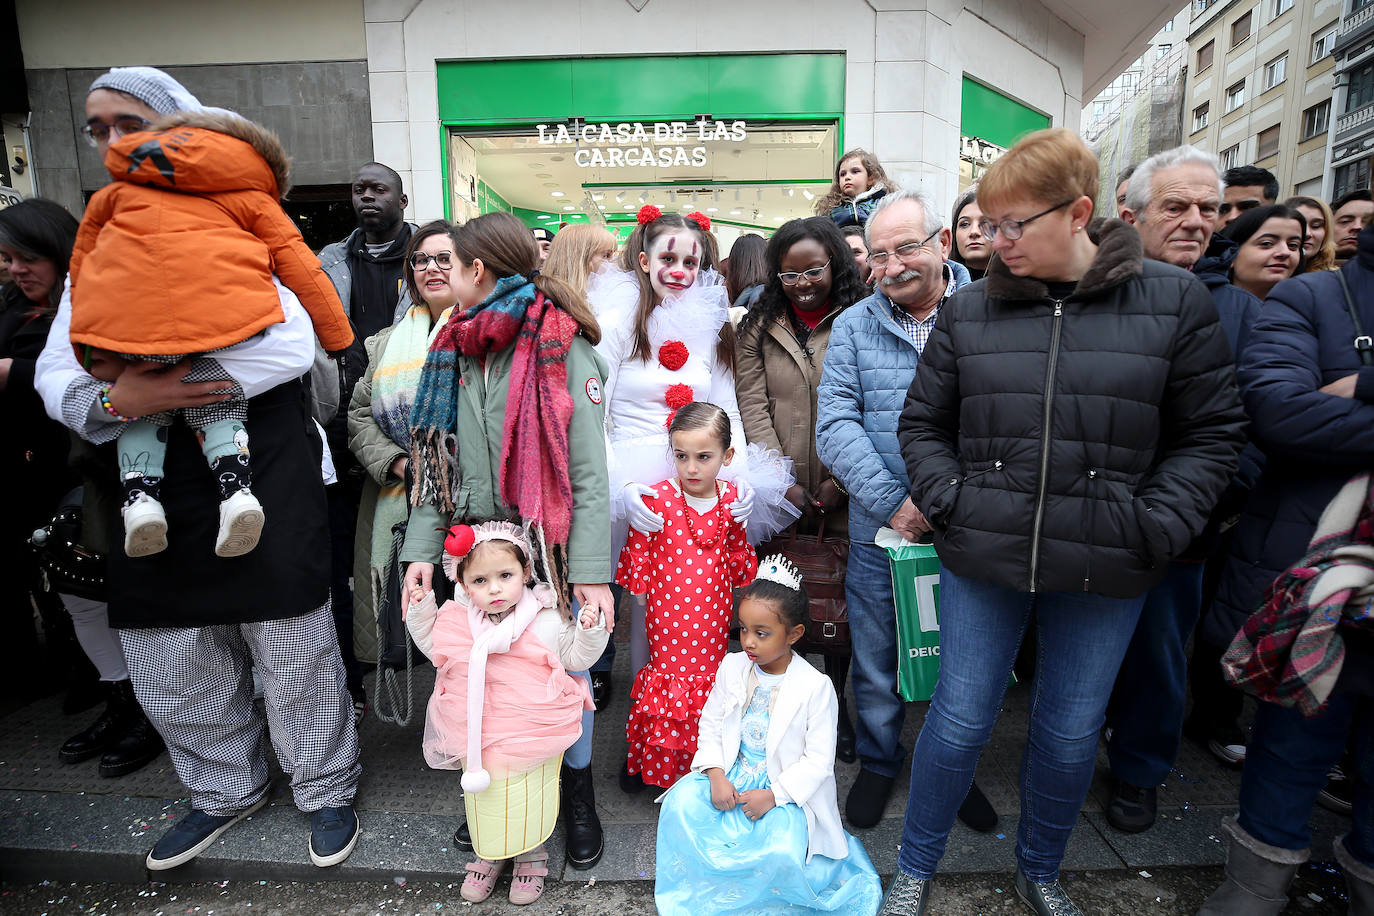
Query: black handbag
[(71, 568), (396, 651)]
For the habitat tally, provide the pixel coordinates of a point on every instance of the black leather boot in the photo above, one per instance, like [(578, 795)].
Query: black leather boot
[(137, 747), (120, 709), (580, 823)]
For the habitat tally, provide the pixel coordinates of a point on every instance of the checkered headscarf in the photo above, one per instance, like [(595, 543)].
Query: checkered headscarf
[(149, 85)]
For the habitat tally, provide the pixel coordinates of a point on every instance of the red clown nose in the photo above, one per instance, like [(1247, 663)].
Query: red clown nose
[(459, 541)]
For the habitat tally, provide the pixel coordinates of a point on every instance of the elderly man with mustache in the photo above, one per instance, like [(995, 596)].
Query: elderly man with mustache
[(874, 348)]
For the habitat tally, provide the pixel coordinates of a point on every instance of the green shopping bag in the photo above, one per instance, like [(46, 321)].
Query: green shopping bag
[(916, 593)]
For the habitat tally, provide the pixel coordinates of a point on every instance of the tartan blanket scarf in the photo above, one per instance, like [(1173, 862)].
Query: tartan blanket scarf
[(1290, 651), (534, 473)]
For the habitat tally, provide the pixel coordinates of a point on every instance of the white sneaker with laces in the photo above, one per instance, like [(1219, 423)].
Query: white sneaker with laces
[(240, 524), (145, 527)]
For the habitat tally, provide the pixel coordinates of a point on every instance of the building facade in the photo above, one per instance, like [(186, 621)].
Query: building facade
[(1140, 113), (1259, 86), (567, 110), (1351, 43)]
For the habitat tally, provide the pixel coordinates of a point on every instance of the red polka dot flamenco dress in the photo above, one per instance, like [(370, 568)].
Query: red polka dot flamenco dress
[(688, 571)]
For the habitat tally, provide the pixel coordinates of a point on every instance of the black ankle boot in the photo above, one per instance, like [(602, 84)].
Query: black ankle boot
[(120, 709), (139, 746), (845, 749), (580, 823)]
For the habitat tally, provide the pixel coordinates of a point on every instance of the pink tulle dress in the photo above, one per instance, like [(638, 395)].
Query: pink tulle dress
[(688, 571), (530, 713)]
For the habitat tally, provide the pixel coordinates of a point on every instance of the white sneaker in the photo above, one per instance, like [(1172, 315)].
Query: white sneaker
[(240, 524), (145, 527)]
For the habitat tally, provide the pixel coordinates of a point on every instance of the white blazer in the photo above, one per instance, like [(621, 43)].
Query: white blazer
[(800, 750)]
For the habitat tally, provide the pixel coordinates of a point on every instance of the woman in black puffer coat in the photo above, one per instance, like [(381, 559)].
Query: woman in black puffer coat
[(1073, 420)]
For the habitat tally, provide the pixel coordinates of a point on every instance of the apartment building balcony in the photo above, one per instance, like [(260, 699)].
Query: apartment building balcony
[(1356, 28), (1356, 122)]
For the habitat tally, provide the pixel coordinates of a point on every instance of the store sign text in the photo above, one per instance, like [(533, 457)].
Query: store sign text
[(628, 143)]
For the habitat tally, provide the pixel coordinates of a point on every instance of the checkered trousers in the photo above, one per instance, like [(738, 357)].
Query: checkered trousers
[(196, 685)]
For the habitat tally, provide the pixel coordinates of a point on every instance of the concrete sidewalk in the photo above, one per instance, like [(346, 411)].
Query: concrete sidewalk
[(66, 824)]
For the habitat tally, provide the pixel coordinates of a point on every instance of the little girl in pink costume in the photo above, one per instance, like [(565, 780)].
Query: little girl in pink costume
[(504, 708)]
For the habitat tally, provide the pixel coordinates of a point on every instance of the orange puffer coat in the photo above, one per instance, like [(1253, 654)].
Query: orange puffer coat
[(176, 256)]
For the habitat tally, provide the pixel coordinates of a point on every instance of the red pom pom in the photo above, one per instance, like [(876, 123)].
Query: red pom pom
[(673, 355), (459, 541), (679, 396), (647, 214), (668, 423), (701, 219)]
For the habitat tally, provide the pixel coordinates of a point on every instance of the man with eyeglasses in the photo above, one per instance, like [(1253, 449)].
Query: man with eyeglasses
[(1174, 199), (368, 272), (870, 363)]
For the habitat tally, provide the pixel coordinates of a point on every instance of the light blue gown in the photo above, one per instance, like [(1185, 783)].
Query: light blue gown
[(720, 862)]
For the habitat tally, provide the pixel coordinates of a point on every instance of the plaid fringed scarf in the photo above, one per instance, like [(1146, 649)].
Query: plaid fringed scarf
[(534, 473), (1290, 651)]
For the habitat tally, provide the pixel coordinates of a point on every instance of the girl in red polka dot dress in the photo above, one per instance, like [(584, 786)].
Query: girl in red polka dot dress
[(688, 571)]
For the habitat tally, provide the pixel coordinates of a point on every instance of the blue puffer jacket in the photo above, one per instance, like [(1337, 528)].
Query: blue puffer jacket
[(868, 369), (1313, 441)]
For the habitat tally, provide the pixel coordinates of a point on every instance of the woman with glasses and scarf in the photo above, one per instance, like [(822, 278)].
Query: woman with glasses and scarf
[(1073, 421)]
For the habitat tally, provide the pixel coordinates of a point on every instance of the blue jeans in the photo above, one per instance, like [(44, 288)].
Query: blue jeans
[(1146, 711), (873, 632), (579, 756), (1286, 762), (1082, 638)]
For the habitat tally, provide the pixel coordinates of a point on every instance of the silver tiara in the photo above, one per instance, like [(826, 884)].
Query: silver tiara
[(779, 569)]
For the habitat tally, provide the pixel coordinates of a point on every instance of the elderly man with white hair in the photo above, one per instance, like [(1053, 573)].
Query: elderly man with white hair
[(1173, 199), (874, 347)]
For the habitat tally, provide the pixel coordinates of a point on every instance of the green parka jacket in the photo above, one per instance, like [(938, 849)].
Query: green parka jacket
[(481, 423)]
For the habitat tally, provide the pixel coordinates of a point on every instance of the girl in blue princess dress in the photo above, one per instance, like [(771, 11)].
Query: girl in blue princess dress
[(755, 827)]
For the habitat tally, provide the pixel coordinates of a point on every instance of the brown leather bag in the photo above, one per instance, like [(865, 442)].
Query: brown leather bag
[(821, 562)]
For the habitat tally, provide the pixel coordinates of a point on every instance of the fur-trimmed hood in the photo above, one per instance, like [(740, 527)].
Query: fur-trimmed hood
[(205, 151), (1120, 257)]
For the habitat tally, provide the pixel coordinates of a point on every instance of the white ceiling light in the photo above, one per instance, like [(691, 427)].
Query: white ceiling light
[(569, 207), (629, 206), (808, 195), (641, 197), (791, 192), (620, 198), (735, 212), (556, 193), (712, 209), (545, 216)]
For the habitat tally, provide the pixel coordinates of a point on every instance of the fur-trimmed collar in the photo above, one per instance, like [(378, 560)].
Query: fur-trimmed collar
[(263, 141), (1120, 257)]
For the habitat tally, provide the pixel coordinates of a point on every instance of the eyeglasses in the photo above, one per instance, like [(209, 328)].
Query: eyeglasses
[(98, 132), (420, 261), (1011, 228), (904, 253), (792, 278)]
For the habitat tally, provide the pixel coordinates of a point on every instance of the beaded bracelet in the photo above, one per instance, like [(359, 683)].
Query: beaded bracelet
[(109, 407)]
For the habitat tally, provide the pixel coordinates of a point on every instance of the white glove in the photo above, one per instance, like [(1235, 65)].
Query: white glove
[(641, 517), (743, 506)]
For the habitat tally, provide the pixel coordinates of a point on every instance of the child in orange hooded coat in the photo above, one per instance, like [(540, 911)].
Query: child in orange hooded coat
[(177, 257)]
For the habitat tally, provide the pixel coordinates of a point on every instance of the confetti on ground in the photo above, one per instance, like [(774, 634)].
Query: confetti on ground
[(1315, 898), (1145, 874)]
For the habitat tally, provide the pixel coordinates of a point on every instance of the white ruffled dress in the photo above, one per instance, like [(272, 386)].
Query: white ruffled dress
[(636, 396)]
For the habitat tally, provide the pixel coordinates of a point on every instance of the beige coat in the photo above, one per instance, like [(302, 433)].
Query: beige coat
[(775, 385)]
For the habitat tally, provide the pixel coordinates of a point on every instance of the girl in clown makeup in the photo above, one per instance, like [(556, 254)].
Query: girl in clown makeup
[(667, 341)]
